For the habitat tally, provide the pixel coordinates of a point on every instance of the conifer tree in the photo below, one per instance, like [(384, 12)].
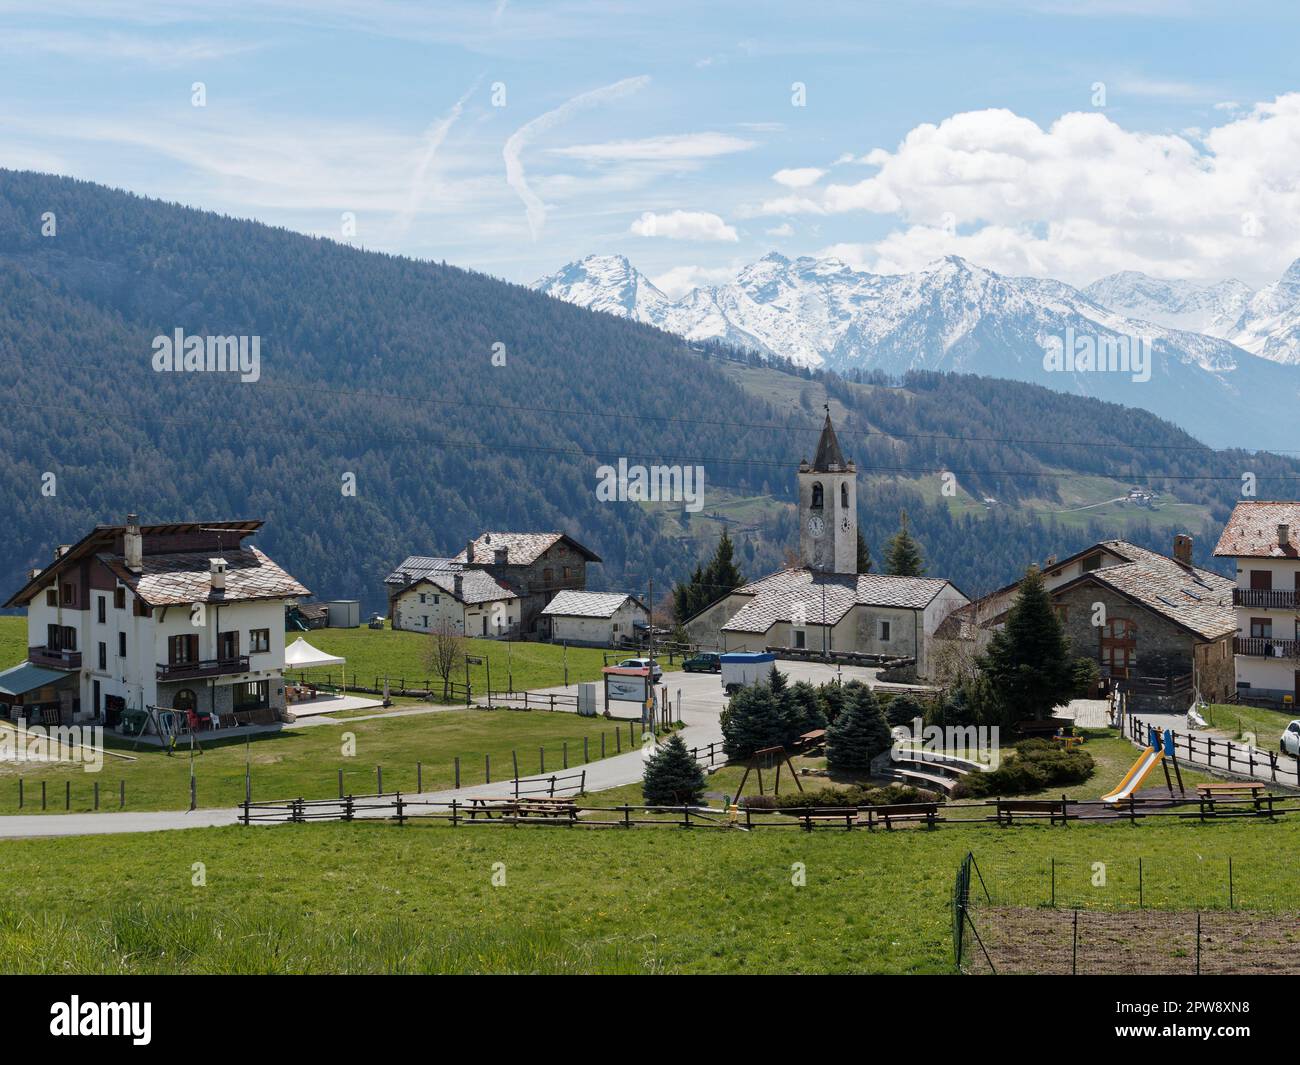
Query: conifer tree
[(858, 734), (1028, 661), (864, 554), (672, 776), (904, 558)]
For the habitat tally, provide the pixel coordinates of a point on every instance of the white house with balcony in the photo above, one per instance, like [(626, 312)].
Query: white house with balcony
[(1264, 540), (183, 616)]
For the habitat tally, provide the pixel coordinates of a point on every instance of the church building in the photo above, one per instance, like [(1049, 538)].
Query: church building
[(824, 604)]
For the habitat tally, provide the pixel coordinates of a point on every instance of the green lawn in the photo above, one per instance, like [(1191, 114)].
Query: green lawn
[(378, 898), (1239, 722), (304, 762), (372, 653)]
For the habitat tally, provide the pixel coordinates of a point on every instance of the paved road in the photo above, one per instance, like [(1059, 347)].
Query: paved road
[(697, 698), (1238, 764)]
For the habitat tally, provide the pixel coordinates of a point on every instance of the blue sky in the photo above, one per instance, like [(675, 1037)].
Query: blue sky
[(668, 131)]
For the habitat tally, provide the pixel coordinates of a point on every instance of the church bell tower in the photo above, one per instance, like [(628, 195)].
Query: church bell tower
[(828, 507)]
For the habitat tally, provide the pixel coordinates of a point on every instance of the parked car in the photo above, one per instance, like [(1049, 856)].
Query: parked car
[(643, 663), (704, 662), (1291, 739), (376, 621)]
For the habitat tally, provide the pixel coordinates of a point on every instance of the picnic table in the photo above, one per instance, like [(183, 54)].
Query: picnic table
[(1255, 791)]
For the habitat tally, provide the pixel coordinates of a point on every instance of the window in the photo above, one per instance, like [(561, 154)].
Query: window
[(800, 638), (422, 599), (227, 646), (844, 495), (121, 645), (436, 600), (1261, 628), (103, 656), (566, 573), (884, 631), (60, 637), (1092, 562), (182, 649), (259, 640), (817, 496), (424, 621), (51, 597), (119, 598), (102, 608), (1261, 580), (546, 575), (69, 594)]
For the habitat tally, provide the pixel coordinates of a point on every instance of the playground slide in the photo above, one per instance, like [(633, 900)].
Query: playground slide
[(1146, 762)]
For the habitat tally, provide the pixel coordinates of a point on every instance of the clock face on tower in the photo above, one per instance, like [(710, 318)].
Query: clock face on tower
[(816, 526), (844, 523)]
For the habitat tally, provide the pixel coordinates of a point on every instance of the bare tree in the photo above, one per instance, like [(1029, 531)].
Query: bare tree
[(444, 652)]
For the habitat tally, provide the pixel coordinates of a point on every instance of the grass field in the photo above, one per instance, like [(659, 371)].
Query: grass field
[(378, 898), (1238, 722), (304, 762)]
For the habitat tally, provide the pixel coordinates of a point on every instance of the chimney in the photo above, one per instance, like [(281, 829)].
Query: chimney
[(1283, 535), (61, 550), (217, 574), (1183, 549), (469, 551), (458, 586), (1050, 562), (499, 556), (133, 544)]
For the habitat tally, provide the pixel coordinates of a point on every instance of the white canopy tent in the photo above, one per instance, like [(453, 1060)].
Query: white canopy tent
[(302, 655)]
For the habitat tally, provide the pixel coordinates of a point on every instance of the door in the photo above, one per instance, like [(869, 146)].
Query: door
[(1119, 646)]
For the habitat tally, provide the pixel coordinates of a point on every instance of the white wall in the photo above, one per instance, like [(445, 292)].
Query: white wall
[(600, 632), (411, 615)]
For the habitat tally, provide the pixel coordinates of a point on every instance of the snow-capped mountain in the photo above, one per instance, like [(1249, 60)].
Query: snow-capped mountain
[(1270, 324), (1210, 307), (956, 316)]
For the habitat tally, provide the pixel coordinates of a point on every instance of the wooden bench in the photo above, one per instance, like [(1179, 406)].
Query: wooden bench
[(1054, 810), (546, 808), (488, 806), (908, 811), (831, 814), (1230, 791)]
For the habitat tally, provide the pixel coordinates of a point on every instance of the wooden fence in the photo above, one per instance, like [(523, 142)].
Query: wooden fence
[(1233, 758), (508, 809)]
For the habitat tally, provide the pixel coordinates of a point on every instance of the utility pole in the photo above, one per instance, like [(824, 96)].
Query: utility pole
[(650, 679)]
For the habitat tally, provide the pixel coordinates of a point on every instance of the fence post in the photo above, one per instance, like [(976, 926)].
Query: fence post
[(348, 808), (602, 747), (541, 759), (618, 743), (1074, 946), (586, 756), (551, 794), (564, 755), (97, 795), (582, 786), (401, 816), (457, 761), (20, 793), (379, 780), (419, 777), (121, 802), (340, 783), (487, 769), (67, 794), (455, 818), (514, 756)]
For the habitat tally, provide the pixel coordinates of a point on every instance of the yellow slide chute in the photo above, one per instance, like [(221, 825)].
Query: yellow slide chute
[(1146, 762)]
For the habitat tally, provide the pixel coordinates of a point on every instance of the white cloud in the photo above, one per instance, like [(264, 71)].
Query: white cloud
[(514, 146), (683, 225), (124, 48), (1082, 197), (433, 136), (680, 280), (683, 146), (798, 178), (785, 229)]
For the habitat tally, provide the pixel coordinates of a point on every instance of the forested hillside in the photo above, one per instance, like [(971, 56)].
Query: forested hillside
[(382, 367)]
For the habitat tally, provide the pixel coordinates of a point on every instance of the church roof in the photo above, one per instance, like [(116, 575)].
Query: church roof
[(829, 454), (779, 596)]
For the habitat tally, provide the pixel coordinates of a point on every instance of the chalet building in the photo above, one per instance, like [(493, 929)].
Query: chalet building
[(1261, 538), (594, 619), (440, 591), (532, 566), (824, 604), (1158, 627), (182, 616)]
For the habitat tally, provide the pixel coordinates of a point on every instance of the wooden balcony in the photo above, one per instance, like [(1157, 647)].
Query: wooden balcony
[(1266, 599), (54, 658), (1266, 647), (207, 667)]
